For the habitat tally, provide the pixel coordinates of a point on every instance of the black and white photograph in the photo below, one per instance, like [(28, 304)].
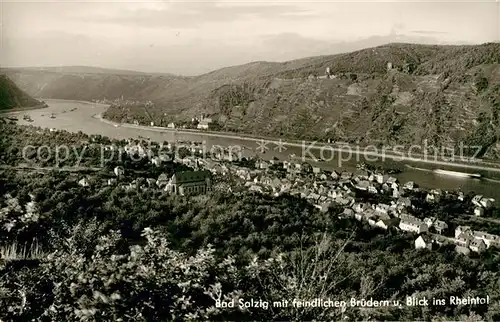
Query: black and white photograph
[(249, 160)]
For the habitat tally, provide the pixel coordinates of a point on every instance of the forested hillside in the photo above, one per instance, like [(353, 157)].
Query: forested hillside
[(103, 252), (11, 96)]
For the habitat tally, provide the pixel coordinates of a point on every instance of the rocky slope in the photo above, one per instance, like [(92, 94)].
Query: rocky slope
[(442, 94)]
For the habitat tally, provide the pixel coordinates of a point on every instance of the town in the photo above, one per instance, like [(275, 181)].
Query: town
[(376, 198)]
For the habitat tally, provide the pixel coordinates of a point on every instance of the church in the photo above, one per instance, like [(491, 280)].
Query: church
[(190, 183)]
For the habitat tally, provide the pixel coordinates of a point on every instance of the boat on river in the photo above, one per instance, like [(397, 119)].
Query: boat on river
[(458, 174)]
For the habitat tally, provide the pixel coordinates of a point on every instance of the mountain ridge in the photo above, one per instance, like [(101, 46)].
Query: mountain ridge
[(439, 93), (12, 97)]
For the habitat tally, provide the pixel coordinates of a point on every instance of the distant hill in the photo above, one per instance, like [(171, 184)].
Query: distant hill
[(77, 70), (442, 94), (12, 97)]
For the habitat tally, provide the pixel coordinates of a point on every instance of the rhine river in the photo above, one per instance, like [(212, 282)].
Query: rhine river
[(80, 116)]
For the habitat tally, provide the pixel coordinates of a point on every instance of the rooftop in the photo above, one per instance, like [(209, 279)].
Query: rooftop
[(190, 176)]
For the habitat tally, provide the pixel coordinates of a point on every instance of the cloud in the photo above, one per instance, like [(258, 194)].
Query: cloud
[(291, 42), (195, 14), (428, 32)]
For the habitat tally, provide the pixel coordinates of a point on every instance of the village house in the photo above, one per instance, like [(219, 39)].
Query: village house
[(423, 241), (387, 223), (393, 182), (256, 188), (406, 202), (334, 175), (487, 203), (464, 239), (479, 211), (162, 180), (156, 161), (361, 207), (381, 178), (348, 213), (190, 182), (119, 171), (84, 182), (410, 185), (324, 206), (405, 216), (412, 224), (151, 182), (171, 125), (360, 174), (476, 201), (440, 240), (313, 197), (477, 245), (204, 124), (440, 226), (363, 185), (382, 208), (432, 197), (462, 229), (489, 239), (345, 176), (372, 221), (347, 202), (429, 221), (261, 164)]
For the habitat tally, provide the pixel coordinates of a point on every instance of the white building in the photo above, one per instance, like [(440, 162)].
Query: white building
[(476, 201), (413, 224), (423, 242), (479, 211), (489, 239), (464, 240), (204, 124), (462, 229), (477, 245), (156, 161), (440, 226), (487, 202), (84, 182), (119, 171)]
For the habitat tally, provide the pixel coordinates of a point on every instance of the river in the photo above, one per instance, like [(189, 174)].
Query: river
[(76, 116)]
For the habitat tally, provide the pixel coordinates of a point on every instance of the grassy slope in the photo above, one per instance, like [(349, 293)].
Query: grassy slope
[(12, 97), (451, 94)]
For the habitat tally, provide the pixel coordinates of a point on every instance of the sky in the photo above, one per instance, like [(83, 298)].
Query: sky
[(195, 37)]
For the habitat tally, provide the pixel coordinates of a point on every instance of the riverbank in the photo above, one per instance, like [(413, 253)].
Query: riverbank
[(23, 109), (309, 146), (74, 116)]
